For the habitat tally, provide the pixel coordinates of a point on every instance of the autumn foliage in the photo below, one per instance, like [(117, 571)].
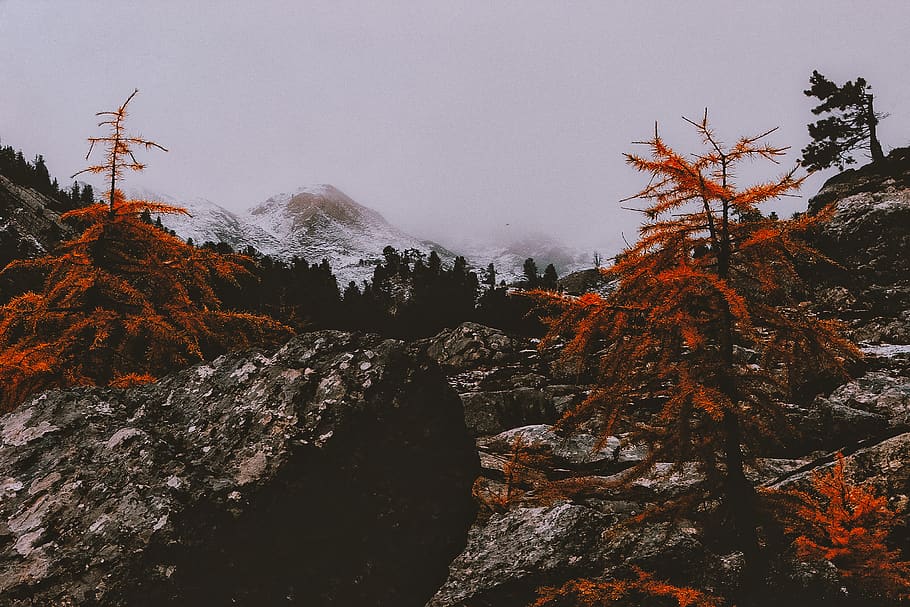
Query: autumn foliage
[(642, 590), (704, 334), (849, 525), (122, 303)]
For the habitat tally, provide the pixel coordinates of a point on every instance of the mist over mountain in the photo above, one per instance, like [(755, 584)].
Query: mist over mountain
[(320, 221)]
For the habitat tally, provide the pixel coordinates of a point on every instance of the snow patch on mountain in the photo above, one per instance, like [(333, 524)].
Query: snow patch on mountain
[(321, 222), (317, 222)]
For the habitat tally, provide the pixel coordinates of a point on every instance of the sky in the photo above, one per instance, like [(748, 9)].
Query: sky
[(453, 119)]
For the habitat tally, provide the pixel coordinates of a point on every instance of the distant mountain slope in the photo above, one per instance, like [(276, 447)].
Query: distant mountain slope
[(321, 221), (210, 222), (314, 222), (508, 259), (29, 226)]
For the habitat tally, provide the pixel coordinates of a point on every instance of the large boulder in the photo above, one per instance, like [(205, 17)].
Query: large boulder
[(469, 346), (503, 381), (885, 465), (514, 553), (868, 236), (335, 471)]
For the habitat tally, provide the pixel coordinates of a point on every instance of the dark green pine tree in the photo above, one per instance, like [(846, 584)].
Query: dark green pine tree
[(88, 195), (490, 279), (850, 125), (550, 278), (531, 275), (434, 263)]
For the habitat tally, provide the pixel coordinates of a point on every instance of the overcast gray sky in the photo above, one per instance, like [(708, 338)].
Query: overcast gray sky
[(449, 118)]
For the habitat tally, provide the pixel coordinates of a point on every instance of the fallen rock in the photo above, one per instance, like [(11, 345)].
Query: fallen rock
[(512, 554), (493, 412), (878, 393), (578, 452), (469, 346), (335, 471)]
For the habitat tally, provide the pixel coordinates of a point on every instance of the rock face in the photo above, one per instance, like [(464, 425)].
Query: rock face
[(869, 236), (502, 381), (513, 553), (335, 471)]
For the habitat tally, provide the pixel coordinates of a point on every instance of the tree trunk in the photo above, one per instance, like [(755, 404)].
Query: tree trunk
[(741, 502), (874, 146)]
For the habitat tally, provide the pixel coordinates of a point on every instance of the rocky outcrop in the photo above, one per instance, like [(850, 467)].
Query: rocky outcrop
[(884, 464), (503, 381), (335, 471), (512, 554), (868, 236), (470, 346)]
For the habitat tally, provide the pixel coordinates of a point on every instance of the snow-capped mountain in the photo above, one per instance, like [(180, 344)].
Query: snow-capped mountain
[(209, 222), (321, 222), (313, 222)]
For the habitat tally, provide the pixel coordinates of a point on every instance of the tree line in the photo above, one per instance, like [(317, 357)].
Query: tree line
[(34, 174)]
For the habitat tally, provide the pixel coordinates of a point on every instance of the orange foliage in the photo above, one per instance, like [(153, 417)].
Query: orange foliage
[(642, 591), (848, 525), (708, 279), (121, 303)]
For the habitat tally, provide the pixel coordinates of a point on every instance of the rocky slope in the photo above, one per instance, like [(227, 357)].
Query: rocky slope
[(552, 532), (869, 236), (335, 471), (29, 225)]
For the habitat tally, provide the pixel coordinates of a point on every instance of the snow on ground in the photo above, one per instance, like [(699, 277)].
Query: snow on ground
[(885, 350)]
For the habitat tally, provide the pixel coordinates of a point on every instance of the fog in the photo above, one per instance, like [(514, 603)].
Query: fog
[(455, 119)]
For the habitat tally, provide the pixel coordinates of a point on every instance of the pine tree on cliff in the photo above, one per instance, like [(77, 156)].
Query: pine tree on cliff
[(122, 302), (671, 330), (851, 124)]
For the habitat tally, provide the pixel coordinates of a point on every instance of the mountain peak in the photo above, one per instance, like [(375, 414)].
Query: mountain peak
[(309, 206)]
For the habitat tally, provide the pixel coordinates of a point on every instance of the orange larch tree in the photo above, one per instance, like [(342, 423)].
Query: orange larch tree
[(122, 302), (848, 525), (705, 320)]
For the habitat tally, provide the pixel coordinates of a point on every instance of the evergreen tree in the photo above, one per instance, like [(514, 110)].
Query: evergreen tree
[(490, 279), (88, 196), (530, 272), (434, 263), (671, 329), (121, 303), (850, 126), (550, 279)]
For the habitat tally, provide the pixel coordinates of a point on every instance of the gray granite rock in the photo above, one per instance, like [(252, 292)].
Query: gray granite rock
[(334, 471)]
